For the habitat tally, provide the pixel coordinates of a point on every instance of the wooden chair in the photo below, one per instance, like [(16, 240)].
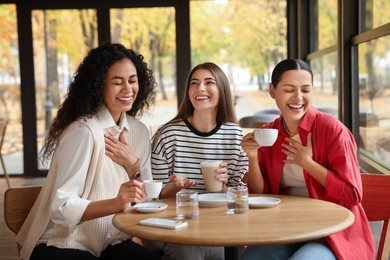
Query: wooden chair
[(18, 202), (376, 204), (3, 127)]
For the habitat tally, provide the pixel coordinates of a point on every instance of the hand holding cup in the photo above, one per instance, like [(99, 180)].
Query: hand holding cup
[(210, 170)]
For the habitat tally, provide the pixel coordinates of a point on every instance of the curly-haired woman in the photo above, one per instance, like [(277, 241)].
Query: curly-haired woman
[(88, 180)]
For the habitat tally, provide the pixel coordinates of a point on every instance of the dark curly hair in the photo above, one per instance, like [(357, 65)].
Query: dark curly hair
[(85, 94)]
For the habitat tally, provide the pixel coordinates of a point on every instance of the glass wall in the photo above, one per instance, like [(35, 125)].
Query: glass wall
[(246, 38), (327, 24), (10, 97), (374, 13), (325, 83), (374, 99), (246, 41), (151, 31), (323, 57), (61, 39)]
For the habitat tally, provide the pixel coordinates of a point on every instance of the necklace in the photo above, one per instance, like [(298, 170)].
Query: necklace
[(285, 128)]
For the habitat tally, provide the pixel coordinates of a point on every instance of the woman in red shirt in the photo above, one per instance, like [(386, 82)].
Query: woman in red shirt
[(314, 155)]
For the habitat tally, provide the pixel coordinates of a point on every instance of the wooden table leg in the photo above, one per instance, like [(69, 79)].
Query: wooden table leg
[(232, 253)]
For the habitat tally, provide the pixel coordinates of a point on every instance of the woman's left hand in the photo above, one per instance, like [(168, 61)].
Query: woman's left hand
[(299, 154), (118, 150)]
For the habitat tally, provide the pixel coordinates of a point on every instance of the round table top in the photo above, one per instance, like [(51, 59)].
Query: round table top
[(294, 219)]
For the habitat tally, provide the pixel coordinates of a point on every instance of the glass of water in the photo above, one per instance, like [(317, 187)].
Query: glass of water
[(237, 199), (187, 205)]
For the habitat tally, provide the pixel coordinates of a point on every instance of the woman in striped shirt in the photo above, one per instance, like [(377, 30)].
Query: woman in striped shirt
[(204, 129)]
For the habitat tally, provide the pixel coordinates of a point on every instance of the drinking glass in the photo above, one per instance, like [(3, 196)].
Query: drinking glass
[(187, 205), (237, 199)]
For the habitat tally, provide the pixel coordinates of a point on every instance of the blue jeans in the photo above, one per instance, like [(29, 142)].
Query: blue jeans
[(316, 250)]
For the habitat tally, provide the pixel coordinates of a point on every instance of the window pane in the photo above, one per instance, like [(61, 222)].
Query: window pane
[(376, 13), (10, 99), (61, 39), (325, 83), (374, 99), (246, 41), (151, 32), (327, 23)]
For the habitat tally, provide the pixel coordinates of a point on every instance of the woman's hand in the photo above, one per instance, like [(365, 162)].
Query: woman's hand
[(119, 151), (249, 145), (131, 191), (182, 182), (300, 155), (222, 173)]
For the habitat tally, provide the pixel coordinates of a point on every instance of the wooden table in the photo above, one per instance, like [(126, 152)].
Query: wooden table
[(294, 219)]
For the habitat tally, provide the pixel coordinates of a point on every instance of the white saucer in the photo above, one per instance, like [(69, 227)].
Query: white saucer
[(263, 202), (212, 200), (150, 207)]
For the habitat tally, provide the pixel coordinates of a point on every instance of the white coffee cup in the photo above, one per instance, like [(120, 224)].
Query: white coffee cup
[(208, 169), (152, 188), (265, 136)]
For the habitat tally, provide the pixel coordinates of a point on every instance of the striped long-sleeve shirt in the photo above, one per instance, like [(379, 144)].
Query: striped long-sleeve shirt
[(179, 148)]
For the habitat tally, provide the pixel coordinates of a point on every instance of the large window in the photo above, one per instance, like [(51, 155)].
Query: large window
[(374, 99), (374, 13), (61, 40), (373, 80), (151, 31), (327, 24), (10, 99), (323, 55), (324, 70), (246, 39)]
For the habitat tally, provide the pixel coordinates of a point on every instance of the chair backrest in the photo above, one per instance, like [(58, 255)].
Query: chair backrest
[(3, 127), (331, 111), (257, 121), (18, 202), (376, 204), (273, 111)]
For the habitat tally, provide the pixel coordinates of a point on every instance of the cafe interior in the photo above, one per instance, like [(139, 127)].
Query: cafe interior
[(346, 43)]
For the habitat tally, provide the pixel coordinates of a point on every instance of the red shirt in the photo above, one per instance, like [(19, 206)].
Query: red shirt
[(335, 148)]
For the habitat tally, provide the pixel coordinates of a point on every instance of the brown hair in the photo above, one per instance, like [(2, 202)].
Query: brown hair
[(226, 112)]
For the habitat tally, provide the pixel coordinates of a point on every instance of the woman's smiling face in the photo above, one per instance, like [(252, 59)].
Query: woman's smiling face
[(203, 91), (121, 87), (293, 94)]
